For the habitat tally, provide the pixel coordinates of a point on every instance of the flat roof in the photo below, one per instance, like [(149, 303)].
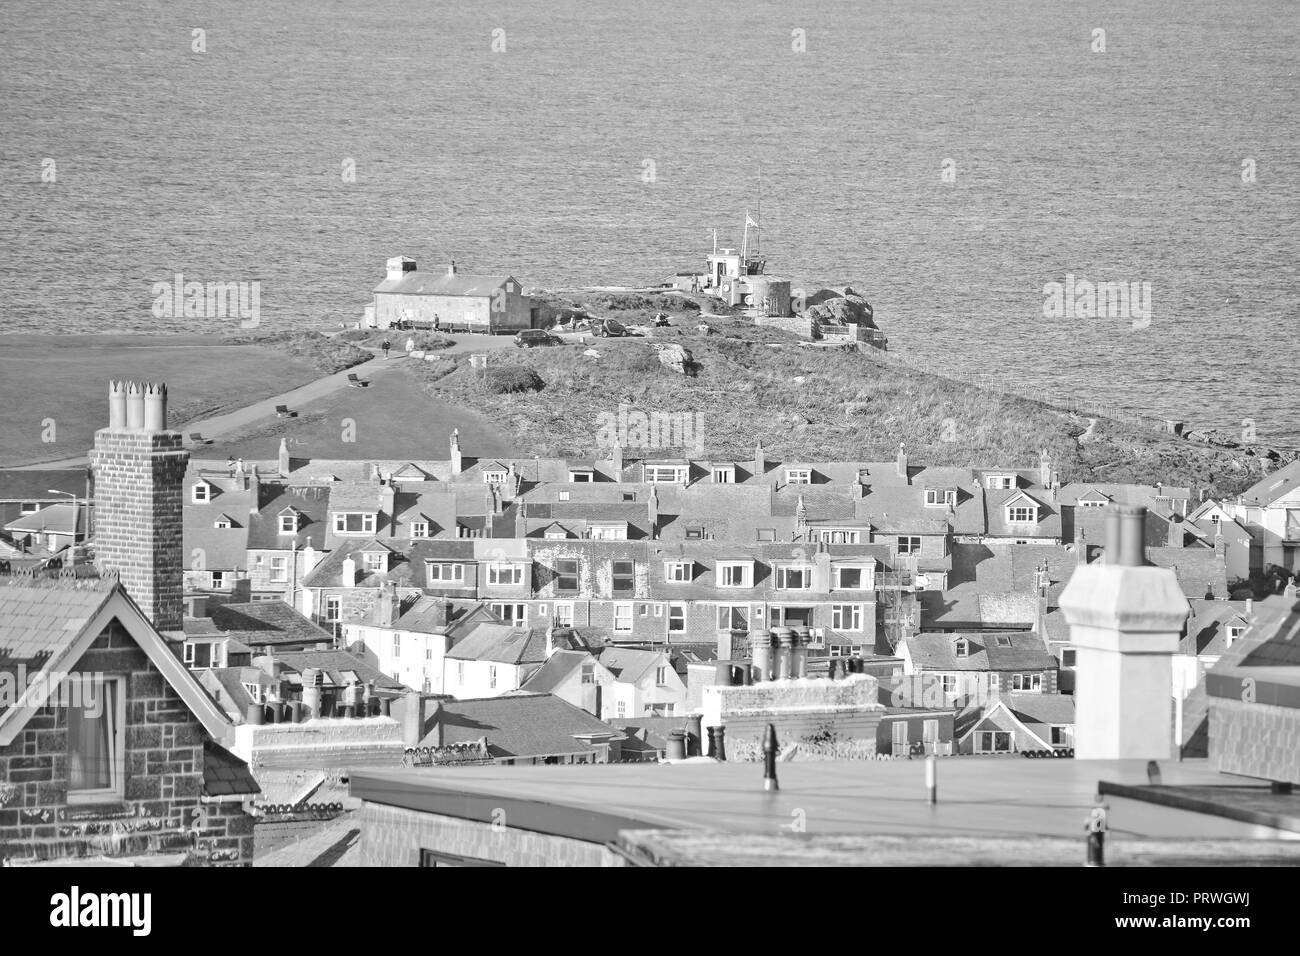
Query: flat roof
[(977, 796)]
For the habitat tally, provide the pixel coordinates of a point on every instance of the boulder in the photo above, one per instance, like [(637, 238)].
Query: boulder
[(677, 358), (847, 309)]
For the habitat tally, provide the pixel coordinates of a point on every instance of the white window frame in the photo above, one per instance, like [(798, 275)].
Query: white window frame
[(279, 573), (374, 561), (581, 476), (909, 544), (783, 572), (1030, 512), (1027, 683), (623, 617), (519, 611), (852, 612), (499, 578), (678, 572), (397, 644), (841, 535), (837, 581), (724, 475), (419, 529), (217, 579), (288, 524), (564, 496), (492, 677), (563, 613), (981, 735), (201, 493), (612, 531), (341, 522), (728, 610), (457, 576), (666, 474), (222, 524), (798, 476), (675, 605), (999, 482), (728, 577), (333, 608), (116, 791), (939, 498), (495, 477)]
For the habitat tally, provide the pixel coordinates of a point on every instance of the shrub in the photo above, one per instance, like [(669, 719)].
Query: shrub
[(504, 381)]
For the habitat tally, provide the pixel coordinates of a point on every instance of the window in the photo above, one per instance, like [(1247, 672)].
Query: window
[(846, 617), (222, 523), (992, 742), (564, 496), (962, 647), (419, 529), (557, 534), (354, 522), (511, 613), (624, 577), (1003, 640), (848, 579), (428, 656), (1214, 517), (333, 608), (492, 676), (1068, 657), (376, 560), (798, 476), (841, 536), (661, 675), (678, 571), (1022, 514), (279, 568), (256, 693), (201, 493), (694, 533), (1092, 503), (676, 618), (622, 708), (995, 681), (444, 572), (1234, 632), (31, 507), (999, 482), (733, 617), (622, 617), (1059, 737), (589, 673), (736, 574), (564, 614), (566, 571), (909, 544), (930, 731), (494, 477), (288, 524), (460, 673), (949, 684), (629, 496), (97, 744), (724, 475), (397, 645), (501, 574), (939, 498), (219, 578), (795, 577), (665, 474), (580, 476), (1027, 683), (766, 534), (609, 532)]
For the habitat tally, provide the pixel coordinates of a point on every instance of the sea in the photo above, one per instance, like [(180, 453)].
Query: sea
[(955, 162)]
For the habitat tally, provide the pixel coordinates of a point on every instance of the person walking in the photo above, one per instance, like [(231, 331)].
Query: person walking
[(386, 346), (410, 344)]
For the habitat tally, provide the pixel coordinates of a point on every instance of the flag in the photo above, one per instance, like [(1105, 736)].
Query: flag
[(749, 221)]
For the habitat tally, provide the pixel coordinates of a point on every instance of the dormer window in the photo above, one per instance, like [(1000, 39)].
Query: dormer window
[(201, 493), (724, 474), (289, 524), (609, 531), (495, 477), (840, 535), (666, 474), (999, 482), (962, 647), (1234, 632), (794, 577), (798, 476), (223, 523), (419, 529), (354, 522), (376, 560), (1092, 503), (736, 574), (678, 572), (502, 573), (940, 498), (1022, 514), (579, 475)]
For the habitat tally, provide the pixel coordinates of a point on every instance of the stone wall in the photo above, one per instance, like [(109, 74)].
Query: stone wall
[(1255, 740), (323, 743), (392, 836), (161, 810), (842, 713)]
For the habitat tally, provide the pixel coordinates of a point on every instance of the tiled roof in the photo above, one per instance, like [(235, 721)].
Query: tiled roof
[(554, 672), (1023, 650), (310, 502), (224, 774), (41, 618), (503, 643), (422, 283), (629, 665), (523, 725), (1207, 625), (1273, 486), (261, 623), (1199, 570), (55, 519), (336, 665), (1041, 708)]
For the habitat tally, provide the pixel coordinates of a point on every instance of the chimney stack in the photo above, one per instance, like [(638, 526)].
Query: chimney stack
[(616, 461), (138, 466), (413, 719), (456, 459), (283, 465), (1125, 619), (398, 267), (760, 460), (902, 463)]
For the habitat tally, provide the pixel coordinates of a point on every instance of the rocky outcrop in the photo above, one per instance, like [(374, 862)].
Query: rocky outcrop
[(848, 308)]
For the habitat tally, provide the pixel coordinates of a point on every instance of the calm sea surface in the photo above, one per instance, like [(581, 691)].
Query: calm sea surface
[(1124, 165)]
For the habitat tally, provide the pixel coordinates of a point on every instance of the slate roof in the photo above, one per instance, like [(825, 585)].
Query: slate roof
[(1025, 650), (428, 283), (224, 774), (311, 502), (629, 665), (261, 623), (1273, 486), (1207, 625), (40, 619), (26, 484), (555, 671), (336, 665), (1041, 708), (521, 725), (55, 519), (1199, 570)]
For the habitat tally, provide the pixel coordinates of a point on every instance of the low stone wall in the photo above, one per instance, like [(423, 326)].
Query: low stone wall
[(829, 719), (329, 742), (391, 836)]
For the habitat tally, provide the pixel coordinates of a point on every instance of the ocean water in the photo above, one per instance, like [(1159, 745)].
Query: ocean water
[(535, 158)]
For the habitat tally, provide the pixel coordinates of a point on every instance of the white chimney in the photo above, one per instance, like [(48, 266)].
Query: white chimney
[(398, 267), (1125, 620), (349, 574)]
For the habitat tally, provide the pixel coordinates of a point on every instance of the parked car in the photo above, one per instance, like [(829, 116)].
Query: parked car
[(609, 328), (531, 338)]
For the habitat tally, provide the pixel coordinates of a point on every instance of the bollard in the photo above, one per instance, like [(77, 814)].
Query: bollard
[(676, 745), (769, 759), (718, 743), (1096, 829), (932, 778)]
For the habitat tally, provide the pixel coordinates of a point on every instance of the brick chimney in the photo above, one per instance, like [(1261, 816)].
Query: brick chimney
[(139, 466), (1125, 620), (388, 606), (1175, 532)]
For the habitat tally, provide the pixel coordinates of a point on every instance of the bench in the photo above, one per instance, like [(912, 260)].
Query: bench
[(354, 382), (199, 439), (282, 411)]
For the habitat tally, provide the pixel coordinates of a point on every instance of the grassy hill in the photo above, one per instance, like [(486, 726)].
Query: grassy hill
[(810, 403)]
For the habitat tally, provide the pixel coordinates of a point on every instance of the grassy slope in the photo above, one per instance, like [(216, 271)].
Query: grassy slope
[(846, 407)]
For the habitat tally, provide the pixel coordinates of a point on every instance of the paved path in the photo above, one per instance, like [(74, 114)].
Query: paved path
[(238, 420)]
